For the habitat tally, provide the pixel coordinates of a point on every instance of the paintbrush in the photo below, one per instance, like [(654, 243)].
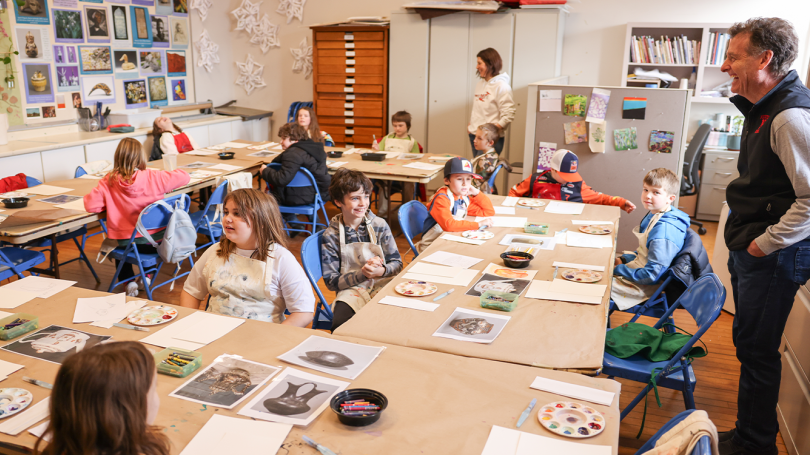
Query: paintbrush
[(321, 449)]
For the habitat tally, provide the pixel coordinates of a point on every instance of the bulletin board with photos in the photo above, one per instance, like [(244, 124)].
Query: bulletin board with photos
[(126, 54)]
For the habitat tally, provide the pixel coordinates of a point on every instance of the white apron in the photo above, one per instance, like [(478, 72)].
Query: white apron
[(395, 144), (436, 231), (625, 293), (240, 286), (352, 258)]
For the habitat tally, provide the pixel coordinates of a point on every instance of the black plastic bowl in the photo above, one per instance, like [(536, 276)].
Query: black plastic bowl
[(372, 396), (334, 154), (226, 155), (15, 202), (372, 156), (516, 263)]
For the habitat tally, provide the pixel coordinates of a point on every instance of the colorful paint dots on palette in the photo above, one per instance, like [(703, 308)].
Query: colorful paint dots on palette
[(596, 229), (477, 235), (416, 288), (531, 202), (13, 400), (573, 420), (582, 275), (152, 315)]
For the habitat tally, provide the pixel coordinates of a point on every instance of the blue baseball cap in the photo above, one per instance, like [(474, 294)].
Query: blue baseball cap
[(459, 166), (565, 162)]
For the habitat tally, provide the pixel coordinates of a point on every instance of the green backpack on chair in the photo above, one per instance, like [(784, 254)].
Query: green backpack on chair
[(654, 345)]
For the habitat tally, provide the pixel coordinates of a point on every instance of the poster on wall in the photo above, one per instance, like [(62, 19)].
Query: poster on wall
[(179, 32), (67, 26), (66, 4), (71, 54), (48, 111), (178, 90), (76, 99), (38, 83), (60, 102), (176, 62), (59, 54), (180, 7), (32, 112), (67, 78), (37, 45), (120, 32), (160, 31), (95, 60), (157, 91), (151, 62), (98, 88), (135, 93), (32, 12), (125, 64), (98, 24), (165, 7), (141, 26), (144, 2)]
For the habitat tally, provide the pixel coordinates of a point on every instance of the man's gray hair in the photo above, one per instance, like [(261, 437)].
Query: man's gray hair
[(770, 34)]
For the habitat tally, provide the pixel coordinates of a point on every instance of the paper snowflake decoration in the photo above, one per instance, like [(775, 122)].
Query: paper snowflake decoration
[(202, 7), (207, 50), (265, 34), (250, 75), (247, 16), (292, 9), (303, 59)]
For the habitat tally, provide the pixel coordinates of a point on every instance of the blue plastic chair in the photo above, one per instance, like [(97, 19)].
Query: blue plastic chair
[(703, 447), (491, 181), (15, 261), (303, 179), (103, 222), (204, 219), (63, 237), (153, 216), (412, 217), (703, 300), (311, 259)]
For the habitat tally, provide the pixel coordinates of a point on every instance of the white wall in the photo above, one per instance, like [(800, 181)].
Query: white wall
[(592, 49)]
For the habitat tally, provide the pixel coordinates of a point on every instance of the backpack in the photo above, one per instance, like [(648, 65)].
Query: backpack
[(180, 237)]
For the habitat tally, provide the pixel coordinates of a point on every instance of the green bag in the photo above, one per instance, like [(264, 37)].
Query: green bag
[(652, 344)]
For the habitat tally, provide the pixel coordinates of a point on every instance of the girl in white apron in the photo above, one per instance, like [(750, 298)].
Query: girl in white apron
[(249, 273)]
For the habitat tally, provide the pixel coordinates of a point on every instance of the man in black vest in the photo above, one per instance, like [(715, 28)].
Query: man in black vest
[(768, 230)]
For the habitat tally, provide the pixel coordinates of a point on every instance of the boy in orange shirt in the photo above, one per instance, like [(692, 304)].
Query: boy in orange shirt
[(453, 202), (563, 182)]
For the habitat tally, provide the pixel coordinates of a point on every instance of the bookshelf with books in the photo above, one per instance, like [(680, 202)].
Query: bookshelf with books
[(678, 49)]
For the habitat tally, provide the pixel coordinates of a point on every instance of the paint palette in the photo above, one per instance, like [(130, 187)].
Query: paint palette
[(582, 275), (12, 194), (573, 420), (531, 202), (416, 288), (478, 235), (14, 400), (597, 229), (152, 315)]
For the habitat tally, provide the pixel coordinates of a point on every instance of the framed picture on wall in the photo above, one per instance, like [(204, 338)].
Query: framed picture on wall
[(157, 91), (141, 27), (34, 42), (135, 93), (98, 24), (67, 26), (98, 88), (71, 54), (179, 28), (33, 12), (95, 60), (152, 62), (126, 64), (67, 78), (179, 90), (119, 23), (180, 7), (176, 62), (160, 31), (164, 7), (38, 83)]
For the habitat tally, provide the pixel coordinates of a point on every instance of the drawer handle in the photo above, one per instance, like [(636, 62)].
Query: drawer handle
[(349, 97), (724, 158), (349, 53), (348, 105), (723, 173), (350, 61), (348, 89), (349, 70), (348, 45), (349, 132), (348, 114), (348, 37), (719, 189), (348, 121)]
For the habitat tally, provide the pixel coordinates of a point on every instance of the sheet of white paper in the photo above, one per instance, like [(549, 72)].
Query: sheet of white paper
[(225, 167), (561, 237), (451, 259), (202, 152), (462, 279), (504, 210), (438, 270), (499, 323), (165, 337), (353, 150), (40, 429), (30, 416), (441, 158), (501, 441), (391, 155), (75, 205), (581, 240), (412, 303), (47, 190), (12, 298), (579, 392), (550, 100), (532, 444), (4, 314), (208, 327), (223, 434), (460, 239), (590, 222), (130, 307), (336, 164), (530, 239), (233, 145), (548, 244), (505, 221), (41, 286), (561, 286), (565, 208), (540, 290), (510, 201), (91, 176), (7, 368), (113, 306), (425, 166), (572, 265)]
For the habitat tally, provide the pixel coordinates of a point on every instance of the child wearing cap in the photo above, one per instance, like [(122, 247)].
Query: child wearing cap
[(453, 202), (563, 182)]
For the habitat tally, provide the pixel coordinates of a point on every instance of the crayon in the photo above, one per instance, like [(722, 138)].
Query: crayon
[(358, 413), (183, 356), (359, 403), (361, 408), (354, 401)]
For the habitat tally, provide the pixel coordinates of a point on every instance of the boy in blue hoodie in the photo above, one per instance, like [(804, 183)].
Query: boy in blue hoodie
[(660, 235)]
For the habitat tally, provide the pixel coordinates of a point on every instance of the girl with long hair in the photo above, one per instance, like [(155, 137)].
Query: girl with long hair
[(306, 117)]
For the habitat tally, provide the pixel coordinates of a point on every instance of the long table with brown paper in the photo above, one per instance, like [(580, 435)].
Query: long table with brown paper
[(541, 333), (438, 403)]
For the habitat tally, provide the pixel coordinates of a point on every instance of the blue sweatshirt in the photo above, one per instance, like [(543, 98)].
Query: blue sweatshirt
[(663, 244)]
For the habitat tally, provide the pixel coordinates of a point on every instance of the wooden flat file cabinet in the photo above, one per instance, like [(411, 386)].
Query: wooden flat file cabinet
[(350, 69)]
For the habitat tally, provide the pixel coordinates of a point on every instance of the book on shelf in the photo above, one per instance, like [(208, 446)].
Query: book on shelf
[(718, 45), (678, 50)]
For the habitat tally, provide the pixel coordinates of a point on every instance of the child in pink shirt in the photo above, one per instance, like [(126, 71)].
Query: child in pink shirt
[(127, 190)]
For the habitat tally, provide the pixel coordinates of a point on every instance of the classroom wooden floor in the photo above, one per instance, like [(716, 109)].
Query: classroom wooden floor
[(717, 374)]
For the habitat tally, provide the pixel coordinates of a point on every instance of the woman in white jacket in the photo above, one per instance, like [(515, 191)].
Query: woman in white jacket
[(492, 101)]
